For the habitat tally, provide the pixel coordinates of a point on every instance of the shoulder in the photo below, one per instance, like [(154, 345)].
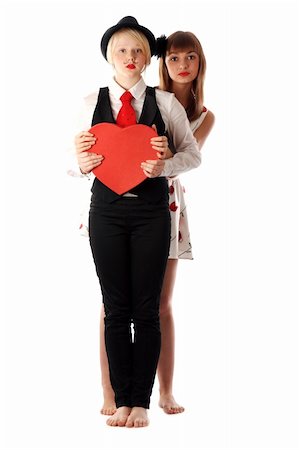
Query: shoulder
[(206, 117), (168, 102), (85, 110), (164, 96), (210, 116), (91, 99), (162, 93), (209, 119)]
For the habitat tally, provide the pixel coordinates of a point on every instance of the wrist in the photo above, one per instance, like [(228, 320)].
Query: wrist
[(84, 174)]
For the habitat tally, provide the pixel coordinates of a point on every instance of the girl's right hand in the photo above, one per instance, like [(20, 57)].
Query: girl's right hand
[(160, 143), (87, 161)]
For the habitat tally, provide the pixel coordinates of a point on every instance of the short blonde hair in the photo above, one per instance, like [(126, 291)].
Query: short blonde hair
[(140, 37)]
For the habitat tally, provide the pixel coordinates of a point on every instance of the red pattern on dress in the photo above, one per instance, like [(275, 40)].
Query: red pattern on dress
[(173, 206)]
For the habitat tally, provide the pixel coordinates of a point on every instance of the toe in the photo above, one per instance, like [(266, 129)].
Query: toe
[(110, 422), (167, 410), (122, 421), (129, 423), (108, 411)]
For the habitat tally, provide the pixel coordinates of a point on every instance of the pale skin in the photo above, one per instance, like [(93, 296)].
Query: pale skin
[(136, 417), (183, 62), (126, 52), (176, 63)]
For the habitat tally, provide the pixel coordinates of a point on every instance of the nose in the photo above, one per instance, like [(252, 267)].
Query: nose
[(183, 65), (131, 55)]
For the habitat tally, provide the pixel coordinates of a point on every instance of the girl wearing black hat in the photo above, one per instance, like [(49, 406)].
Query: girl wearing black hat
[(130, 233)]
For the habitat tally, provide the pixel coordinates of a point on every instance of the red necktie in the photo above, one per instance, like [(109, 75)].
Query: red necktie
[(126, 115)]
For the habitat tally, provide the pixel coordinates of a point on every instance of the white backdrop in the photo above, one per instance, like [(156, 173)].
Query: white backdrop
[(235, 305)]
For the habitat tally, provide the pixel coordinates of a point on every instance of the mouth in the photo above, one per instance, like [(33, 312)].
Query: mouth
[(184, 74), (131, 66)]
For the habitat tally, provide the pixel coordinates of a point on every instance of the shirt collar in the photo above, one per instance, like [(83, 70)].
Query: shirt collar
[(137, 90)]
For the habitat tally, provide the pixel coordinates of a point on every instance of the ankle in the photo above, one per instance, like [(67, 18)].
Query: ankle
[(107, 388), (166, 392)]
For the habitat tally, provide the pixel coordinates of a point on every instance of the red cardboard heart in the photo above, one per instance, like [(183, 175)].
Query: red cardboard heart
[(124, 149)]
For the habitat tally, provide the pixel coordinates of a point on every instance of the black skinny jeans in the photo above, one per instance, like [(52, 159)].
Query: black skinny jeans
[(130, 240)]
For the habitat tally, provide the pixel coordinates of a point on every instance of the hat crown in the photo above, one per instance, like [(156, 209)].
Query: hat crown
[(127, 21)]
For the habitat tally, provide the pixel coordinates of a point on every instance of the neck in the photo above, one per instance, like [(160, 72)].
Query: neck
[(182, 92), (125, 82)]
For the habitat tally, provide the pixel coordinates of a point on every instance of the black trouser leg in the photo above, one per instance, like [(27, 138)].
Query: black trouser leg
[(130, 244), (149, 254)]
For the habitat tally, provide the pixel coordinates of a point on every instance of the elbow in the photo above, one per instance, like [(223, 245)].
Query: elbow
[(195, 163), (198, 160)]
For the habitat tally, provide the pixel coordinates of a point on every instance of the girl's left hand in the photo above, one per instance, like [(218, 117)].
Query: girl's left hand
[(153, 168), (160, 143)]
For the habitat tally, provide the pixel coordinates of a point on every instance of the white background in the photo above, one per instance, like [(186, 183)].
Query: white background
[(235, 305)]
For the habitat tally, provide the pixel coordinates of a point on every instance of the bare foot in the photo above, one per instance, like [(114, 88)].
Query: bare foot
[(120, 417), (109, 406), (108, 409), (169, 405), (138, 418)]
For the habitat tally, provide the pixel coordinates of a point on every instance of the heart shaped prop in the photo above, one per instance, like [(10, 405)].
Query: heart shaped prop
[(124, 149)]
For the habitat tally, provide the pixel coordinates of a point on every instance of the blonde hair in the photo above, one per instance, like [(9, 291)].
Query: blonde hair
[(140, 37), (185, 40)]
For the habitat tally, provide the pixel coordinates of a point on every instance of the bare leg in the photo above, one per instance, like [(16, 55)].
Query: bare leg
[(109, 406), (166, 361)]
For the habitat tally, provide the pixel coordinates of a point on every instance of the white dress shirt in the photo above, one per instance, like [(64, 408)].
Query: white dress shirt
[(174, 116)]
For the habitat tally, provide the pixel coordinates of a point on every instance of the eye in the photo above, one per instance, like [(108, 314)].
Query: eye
[(138, 50), (173, 58), (122, 50), (191, 57)]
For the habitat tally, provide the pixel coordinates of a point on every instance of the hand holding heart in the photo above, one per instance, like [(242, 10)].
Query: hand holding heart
[(87, 161), (152, 168), (102, 137), (160, 143), (128, 153)]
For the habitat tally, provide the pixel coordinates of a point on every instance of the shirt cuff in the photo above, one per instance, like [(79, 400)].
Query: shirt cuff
[(76, 173), (167, 171)]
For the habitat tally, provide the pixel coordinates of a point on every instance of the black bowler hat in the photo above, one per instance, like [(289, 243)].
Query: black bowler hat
[(127, 22)]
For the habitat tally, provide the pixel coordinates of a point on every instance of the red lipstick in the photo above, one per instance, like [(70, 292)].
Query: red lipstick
[(131, 66), (184, 74)]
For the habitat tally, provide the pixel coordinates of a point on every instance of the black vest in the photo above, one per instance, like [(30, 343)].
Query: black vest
[(153, 190)]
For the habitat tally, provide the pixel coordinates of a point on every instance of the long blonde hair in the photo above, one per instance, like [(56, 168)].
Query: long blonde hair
[(181, 41)]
